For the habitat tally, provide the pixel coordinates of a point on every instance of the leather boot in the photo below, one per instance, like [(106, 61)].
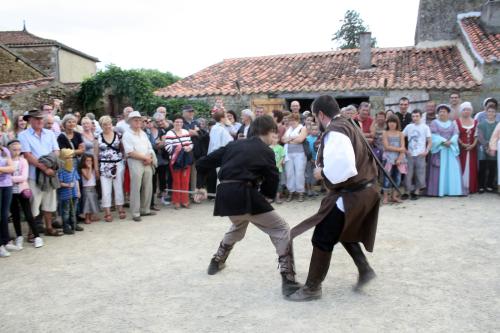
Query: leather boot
[(366, 273), (219, 258), (287, 270), (318, 268)]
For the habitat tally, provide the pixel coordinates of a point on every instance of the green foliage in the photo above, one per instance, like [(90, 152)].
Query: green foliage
[(134, 87), (348, 34), (174, 106)]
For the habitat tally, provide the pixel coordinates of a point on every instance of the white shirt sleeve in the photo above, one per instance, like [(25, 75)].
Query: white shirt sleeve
[(128, 145), (339, 162)]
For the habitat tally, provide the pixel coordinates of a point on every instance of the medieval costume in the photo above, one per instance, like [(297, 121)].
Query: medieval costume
[(248, 175), (349, 212), (467, 135)]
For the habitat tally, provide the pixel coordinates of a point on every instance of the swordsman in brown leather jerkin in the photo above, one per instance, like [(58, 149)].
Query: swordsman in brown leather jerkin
[(349, 212)]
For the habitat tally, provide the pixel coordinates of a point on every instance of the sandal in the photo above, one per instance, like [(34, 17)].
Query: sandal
[(108, 218), (53, 233), (122, 214), (301, 197)]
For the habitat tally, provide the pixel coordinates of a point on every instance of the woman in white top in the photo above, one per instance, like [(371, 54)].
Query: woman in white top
[(295, 160), (179, 145)]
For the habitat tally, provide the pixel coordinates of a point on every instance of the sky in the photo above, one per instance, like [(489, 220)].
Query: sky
[(186, 36)]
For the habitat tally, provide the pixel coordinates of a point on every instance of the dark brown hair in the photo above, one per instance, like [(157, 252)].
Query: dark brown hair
[(393, 119)]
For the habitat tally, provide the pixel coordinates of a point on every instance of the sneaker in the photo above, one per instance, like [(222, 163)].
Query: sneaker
[(11, 247), (405, 196), (165, 201), (68, 231), (38, 242), (3, 252), (413, 196), (19, 242), (78, 228), (137, 219)]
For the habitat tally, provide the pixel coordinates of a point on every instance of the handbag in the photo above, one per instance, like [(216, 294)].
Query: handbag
[(26, 193), (183, 159)]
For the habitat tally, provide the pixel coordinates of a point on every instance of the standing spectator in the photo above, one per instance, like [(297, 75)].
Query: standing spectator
[(6, 170), (19, 125), (467, 140), (179, 145), (454, 106), (487, 157), (495, 149), (78, 117), (389, 113), (122, 126), (349, 111), (69, 138), (5, 136), (403, 114), (193, 127), (219, 136), (90, 205), (279, 156), (419, 145), (259, 111), (295, 107), (89, 137), (308, 122), (69, 191), (111, 168), (21, 195), (162, 174), (153, 135), (96, 127), (394, 157), (444, 171), (48, 123), (489, 102), (48, 110), (37, 142), (377, 130), (365, 121), (295, 162), (311, 139), (140, 161), (247, 117), (232, 123), (430, 112), (278, 119)]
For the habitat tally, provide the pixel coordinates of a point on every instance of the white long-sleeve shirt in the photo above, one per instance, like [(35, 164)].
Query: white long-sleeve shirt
[(339, 161), (219, 137)]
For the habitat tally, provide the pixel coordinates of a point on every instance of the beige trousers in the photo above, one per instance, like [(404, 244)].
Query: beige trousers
[(141, 187), (270, 223)]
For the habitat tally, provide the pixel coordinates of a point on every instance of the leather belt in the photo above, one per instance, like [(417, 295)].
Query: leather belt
[(356, 188), (233, 181)]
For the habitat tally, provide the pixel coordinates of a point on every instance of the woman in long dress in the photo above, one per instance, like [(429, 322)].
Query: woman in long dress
[(467, 140), (445, 177)]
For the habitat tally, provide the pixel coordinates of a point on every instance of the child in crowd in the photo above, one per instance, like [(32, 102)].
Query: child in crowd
[(90, 202), (279, 155), (394, 157), (419, 145), (487, 157), (6, 169), (311, 163), (21, 195), (69, 192)]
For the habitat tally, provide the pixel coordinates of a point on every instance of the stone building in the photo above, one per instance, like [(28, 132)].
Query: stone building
[(464, 59), (56, 59)]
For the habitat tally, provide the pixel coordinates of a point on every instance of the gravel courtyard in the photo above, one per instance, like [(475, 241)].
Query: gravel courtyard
[(437, 262)]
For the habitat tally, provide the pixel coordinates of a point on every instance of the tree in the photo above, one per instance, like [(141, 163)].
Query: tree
[(348, 34)]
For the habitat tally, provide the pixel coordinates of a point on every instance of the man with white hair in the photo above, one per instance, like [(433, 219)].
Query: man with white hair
[(295, 107), (122, 126), (247, 116), (162, 110)]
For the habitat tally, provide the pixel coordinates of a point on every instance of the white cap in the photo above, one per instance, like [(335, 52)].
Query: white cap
[(134, 114)]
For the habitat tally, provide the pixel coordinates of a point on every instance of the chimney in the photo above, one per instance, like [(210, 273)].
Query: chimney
[(490, 16), (365, 50)]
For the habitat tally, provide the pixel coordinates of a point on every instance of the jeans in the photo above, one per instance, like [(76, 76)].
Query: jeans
[(395, 175), (295, 169), (416, 166), (68, 211), (5, 199)]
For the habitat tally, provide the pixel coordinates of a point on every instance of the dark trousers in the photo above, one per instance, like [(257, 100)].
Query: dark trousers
[(487, 173), (18, 203), (162, 179), (327, 232), (5, 199)]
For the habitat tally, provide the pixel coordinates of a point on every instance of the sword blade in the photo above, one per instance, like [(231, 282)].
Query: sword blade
[(190, 192)]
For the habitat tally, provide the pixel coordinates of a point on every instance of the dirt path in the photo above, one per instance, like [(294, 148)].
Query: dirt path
[(437, 262)]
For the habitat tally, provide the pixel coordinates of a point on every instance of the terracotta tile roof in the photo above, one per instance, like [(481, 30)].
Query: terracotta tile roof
[(486, 45), (394, 68), (23, 38), (9, 89)]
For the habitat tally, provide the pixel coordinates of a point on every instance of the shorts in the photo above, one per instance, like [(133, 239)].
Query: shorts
[(48, 199)]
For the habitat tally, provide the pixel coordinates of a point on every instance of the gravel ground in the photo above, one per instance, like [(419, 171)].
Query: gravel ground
[(436, 260)]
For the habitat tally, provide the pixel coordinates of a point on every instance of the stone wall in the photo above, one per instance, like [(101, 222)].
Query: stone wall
[(45, 57), (437, 19), (14, 70)]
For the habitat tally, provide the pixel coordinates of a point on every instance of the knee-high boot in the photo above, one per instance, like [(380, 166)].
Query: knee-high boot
[(287, 270), (219, 258), (318, 268), (366, 273)]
